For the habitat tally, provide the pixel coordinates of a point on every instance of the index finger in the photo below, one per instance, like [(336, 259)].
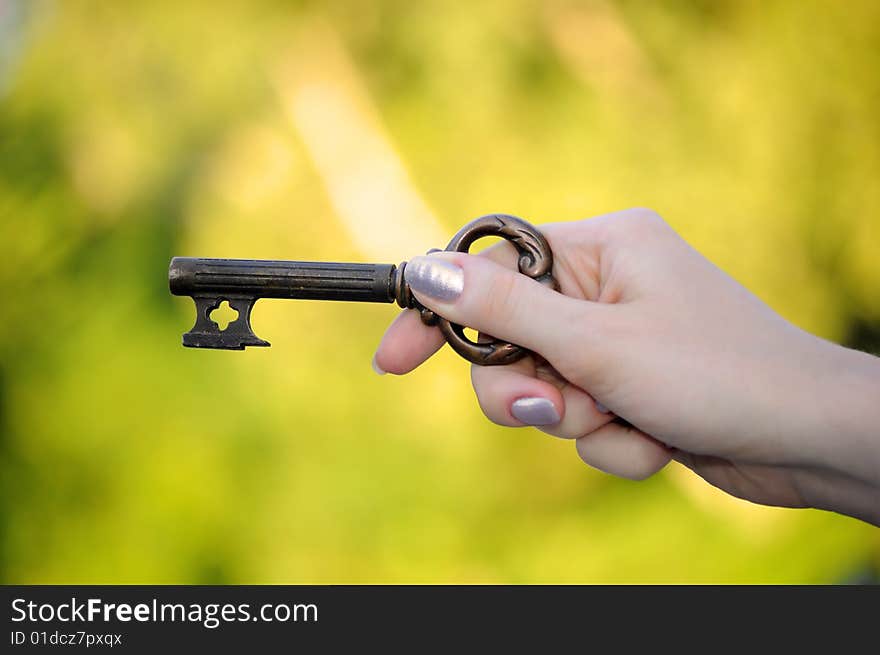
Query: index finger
[(408, 343)]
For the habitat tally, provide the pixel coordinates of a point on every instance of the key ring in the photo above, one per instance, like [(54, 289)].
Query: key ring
[(535, 260)]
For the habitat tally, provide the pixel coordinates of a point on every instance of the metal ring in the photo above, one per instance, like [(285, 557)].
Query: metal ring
[(535, 260)]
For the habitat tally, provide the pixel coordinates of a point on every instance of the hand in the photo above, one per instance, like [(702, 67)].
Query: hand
[(648, 330)]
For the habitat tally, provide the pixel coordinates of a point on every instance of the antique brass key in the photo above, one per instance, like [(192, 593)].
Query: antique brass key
[(242, 282)]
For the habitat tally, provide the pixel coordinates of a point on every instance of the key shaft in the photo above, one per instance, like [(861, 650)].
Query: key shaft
[(255, 279), (241, 282)]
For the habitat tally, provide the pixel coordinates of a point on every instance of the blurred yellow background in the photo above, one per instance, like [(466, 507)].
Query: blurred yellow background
[(371, 131)]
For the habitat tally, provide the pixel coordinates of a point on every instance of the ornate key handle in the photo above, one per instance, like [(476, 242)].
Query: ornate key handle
[(535, 260), (244, 281)]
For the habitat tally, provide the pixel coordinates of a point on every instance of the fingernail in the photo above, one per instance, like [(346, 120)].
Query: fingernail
[(434, 277), (601, 408), (376, 367), (535, 411)]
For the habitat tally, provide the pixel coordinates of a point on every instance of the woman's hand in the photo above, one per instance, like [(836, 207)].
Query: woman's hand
[(648, 330)]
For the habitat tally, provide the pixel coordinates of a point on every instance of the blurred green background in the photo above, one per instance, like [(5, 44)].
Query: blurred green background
[(371, 131)]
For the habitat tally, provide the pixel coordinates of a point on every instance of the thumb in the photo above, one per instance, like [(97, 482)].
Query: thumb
[(478, 293)]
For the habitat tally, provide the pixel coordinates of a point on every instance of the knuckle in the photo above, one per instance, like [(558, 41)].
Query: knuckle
[(621, 224), (646, 216), (641, 221), (502, 253)]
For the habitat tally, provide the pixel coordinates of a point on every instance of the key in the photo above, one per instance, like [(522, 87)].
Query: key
[(241, 282)]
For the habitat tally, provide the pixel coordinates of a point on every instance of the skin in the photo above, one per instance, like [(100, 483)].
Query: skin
[(702, 370)]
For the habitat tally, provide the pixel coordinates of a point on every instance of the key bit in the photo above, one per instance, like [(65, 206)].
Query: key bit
[(242, 282)]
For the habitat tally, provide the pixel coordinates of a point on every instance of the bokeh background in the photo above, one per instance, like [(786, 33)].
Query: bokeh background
[(371, 131)]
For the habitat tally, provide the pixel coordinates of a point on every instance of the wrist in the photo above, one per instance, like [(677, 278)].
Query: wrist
[(846, 414), (833, 434)]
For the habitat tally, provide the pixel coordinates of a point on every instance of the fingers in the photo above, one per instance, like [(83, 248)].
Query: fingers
[(513, 396), (582, 415), (623, 451), (488, 297), (406, 344)]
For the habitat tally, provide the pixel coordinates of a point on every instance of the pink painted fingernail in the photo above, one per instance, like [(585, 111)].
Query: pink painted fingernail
[(435, 277), (534, 411)]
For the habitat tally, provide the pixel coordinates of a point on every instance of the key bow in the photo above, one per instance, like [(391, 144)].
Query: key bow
[(535, 260)]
